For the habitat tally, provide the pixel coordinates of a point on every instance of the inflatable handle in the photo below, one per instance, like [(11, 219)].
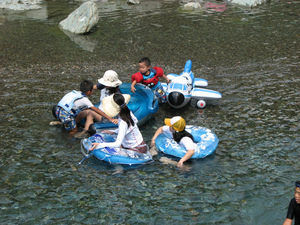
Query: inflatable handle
[(188, 66)]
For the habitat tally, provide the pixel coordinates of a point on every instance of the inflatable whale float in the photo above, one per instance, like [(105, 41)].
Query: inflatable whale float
[(185, 87)]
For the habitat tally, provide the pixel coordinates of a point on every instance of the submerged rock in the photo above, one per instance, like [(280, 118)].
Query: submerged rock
[(250, 3), (82, 20), (20, 4), (134, 2), (192, 6)]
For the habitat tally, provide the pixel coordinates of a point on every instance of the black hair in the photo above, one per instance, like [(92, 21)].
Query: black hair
[(86, 86), (146, 61), (124, 111), (112, 90), (178, 135), (297, 183)]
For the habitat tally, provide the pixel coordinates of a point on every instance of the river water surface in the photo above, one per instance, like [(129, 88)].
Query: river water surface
[(251, 56)]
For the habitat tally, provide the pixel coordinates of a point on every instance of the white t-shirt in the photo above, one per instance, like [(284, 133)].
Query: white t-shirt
[(187, 142), (128, 137), (104, 93), (83, 103)]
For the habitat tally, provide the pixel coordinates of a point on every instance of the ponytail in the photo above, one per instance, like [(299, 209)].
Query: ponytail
[(124, 110)]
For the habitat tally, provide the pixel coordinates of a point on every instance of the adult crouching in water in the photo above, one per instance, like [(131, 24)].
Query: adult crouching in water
[(176, 127), (129, 135)]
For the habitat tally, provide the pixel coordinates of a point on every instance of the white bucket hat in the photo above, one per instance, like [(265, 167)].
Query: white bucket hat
[(111, 108), (110, 79)]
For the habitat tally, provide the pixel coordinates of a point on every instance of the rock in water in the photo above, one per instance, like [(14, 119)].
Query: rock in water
[(192, 6), (134, 2), (20, 4), (249, 3), (82, 20)]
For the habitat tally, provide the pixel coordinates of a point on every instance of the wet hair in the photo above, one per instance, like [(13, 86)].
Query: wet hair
[(146, 61), (86, 86), (124, 111), (178, 135), (112, 90), (297, 183)]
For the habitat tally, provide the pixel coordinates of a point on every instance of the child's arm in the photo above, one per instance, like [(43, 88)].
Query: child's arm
[(132, 86), (158, 131), (187, 156), (101, 113), (166, 78)]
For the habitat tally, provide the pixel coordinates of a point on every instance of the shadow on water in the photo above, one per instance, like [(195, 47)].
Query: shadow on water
[(250, 55)]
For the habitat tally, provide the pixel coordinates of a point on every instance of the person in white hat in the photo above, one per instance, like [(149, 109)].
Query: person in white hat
[(129, 135), (176, 127), (108, 85)]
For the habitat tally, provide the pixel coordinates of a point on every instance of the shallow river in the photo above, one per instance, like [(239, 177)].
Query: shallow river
[(251, 56)]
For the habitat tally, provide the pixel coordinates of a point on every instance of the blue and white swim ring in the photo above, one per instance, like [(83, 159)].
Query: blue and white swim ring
[(113, 155), (206, 143)]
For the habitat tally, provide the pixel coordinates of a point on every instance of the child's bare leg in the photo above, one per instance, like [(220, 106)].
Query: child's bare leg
[(73, 131), (90, 118)]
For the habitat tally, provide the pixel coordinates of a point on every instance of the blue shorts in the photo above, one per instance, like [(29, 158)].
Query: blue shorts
[(160, 94), (67, 119)]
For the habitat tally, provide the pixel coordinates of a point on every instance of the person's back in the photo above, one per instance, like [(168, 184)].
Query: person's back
[(70, 106), (75, 106), (129, 135)]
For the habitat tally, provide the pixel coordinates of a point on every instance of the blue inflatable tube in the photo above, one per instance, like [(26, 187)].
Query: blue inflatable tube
[(204, 138), (113, 155), (143, 104)]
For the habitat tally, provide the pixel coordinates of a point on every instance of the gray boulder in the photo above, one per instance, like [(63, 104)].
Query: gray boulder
[(82, 20), (20, 4)]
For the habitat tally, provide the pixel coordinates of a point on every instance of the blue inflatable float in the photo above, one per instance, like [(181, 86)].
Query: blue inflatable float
[(206, 142), (143, 104), (185, 87), (112, 155)]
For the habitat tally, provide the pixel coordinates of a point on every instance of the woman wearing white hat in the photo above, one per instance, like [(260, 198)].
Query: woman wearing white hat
[(108, 85), (129, 135), (176, 127)]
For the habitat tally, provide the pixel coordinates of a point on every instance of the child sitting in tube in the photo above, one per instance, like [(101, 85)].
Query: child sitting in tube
[(150, 77), (129, 135), (176, 128)]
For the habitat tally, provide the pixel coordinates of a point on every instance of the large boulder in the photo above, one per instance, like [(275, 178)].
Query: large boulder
[(82, 20), (20, 4)]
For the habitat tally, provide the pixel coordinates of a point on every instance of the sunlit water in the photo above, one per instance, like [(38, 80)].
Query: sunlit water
[(251, 56)]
